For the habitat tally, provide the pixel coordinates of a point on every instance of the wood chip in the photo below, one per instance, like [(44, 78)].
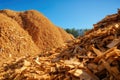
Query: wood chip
[(113, 43)]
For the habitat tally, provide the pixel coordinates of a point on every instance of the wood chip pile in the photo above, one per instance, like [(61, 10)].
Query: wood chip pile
[(43, 32), (94, 56)]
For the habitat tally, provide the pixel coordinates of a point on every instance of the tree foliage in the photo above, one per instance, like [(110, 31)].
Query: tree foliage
[(76, 32)]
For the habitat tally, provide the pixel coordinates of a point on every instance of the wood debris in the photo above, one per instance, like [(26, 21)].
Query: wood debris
[(94, 56)]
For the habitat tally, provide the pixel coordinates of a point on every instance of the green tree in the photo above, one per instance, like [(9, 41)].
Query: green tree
[(76, 32), (73, 31)]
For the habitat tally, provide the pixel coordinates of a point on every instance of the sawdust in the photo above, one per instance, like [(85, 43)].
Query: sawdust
[(45, 34)]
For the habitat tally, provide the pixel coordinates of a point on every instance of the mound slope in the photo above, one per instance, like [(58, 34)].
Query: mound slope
[(14, 41)]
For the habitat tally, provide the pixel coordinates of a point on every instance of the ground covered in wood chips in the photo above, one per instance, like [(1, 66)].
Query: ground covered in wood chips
[(94, 56)]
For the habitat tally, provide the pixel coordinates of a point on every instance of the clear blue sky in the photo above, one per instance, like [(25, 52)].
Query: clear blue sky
[(67, 13)]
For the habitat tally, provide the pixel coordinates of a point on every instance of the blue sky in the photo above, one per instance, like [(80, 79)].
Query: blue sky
[(67, 13)]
